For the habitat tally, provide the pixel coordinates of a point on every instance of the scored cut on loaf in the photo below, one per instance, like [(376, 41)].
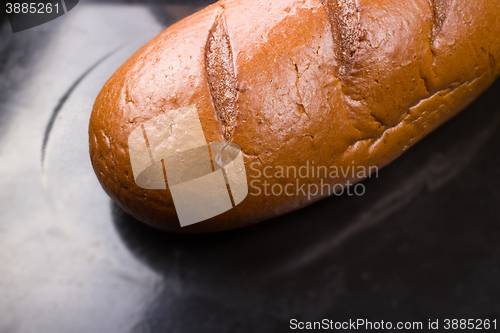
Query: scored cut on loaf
[(332, 83)]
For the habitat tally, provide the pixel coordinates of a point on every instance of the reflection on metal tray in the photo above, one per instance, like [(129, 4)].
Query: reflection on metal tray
[(421, 244)]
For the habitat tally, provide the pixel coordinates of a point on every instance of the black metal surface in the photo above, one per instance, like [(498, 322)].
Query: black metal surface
[(421, 244)]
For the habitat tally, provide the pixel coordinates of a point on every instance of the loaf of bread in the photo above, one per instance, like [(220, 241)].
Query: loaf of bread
[(251, 91)]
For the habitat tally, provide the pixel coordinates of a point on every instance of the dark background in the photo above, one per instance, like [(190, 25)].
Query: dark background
[(423, 243)]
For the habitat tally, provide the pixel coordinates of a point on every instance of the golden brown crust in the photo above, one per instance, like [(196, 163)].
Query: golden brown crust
[(334, 82)]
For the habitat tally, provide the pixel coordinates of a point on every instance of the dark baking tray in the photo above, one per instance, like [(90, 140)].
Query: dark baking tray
[(422, 244)]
